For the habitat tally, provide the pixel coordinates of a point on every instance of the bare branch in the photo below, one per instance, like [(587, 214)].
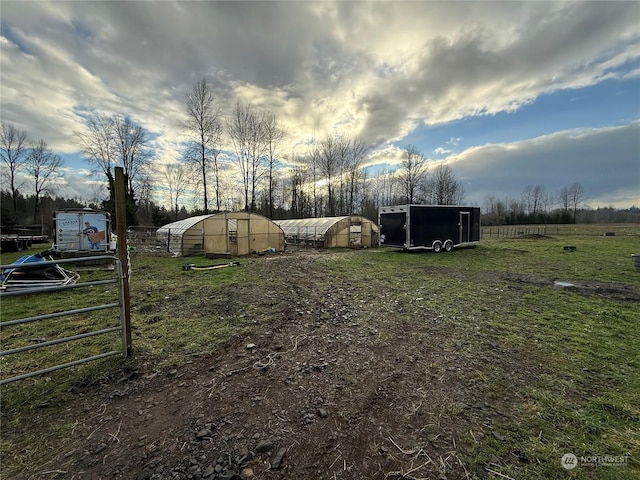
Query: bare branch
[(13, 152)]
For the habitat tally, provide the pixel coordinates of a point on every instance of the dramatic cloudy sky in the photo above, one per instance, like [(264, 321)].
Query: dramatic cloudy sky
[(507, 93)]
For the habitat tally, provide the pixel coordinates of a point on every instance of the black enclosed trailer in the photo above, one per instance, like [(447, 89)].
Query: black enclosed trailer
[(428, 227)]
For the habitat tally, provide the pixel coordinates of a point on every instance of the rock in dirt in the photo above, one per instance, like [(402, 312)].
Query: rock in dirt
[(244, 458), (208, 471), (264, 446), (246, 473), (277, 459)]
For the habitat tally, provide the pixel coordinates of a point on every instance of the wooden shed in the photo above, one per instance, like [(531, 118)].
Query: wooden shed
[(233, 233), (329, 232)]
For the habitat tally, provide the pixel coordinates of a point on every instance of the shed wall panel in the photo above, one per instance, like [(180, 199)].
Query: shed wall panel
[(252, 233), (216, 237)]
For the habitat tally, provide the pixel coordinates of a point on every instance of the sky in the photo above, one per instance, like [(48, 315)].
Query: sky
[(508, 94)]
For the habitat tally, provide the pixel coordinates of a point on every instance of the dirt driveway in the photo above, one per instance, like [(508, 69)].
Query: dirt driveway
[(342, 382)]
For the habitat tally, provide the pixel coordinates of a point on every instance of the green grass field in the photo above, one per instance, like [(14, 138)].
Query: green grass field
[(568, 356), (579, 352)]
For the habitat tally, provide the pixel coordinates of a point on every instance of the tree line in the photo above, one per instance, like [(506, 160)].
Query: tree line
[(537, 205), (158, 215), (40, 164), (23, 221)]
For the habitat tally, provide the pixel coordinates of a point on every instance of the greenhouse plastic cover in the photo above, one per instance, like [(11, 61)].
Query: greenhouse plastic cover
[(305, 226), (181, 226)]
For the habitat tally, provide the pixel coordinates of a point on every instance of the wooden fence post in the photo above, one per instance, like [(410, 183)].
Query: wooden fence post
[(121, 229)]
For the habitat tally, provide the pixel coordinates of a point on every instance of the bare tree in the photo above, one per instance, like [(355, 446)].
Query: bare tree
[(329, 158), (133, 153), (533, 198), (204, 127), (246, 130), (314, 164), (177, 177), (354, 173), (238, 130), (343, 148), (98, 146), (564, 199), (144, 190), (299, 176), (380, 188), (495, 210), (43, 165), (443, 188), (412, 172), (368, 205), (273, 134), (516, 209), (13, 153), (116, 140), (576, 196)]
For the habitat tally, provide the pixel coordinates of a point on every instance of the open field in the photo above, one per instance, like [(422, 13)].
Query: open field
[(370, 364)]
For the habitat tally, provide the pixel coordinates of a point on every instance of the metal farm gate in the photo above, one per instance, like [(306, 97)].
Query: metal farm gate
[(17, 286)]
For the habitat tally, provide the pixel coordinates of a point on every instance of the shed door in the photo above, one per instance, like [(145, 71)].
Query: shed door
[(243, 237), (465, 227), (355, 235)]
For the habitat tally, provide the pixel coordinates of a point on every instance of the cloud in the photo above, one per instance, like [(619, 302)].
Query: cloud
[(376, 70), (441, 151), (602, 160)]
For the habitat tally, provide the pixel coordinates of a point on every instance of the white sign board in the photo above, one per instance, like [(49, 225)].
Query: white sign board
[(82, 231)]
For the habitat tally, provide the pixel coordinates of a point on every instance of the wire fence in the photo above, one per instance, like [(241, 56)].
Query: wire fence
[(143, 239), (523, 231)]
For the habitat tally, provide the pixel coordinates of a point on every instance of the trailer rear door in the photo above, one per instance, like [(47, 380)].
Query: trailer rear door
[(393, 227), (465, 227)]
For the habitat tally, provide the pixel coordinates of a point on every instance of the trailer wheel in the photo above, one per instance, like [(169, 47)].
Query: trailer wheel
[(448, 245), (437, 246), (19, 246)]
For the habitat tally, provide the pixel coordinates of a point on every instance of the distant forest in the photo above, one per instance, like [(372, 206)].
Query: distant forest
[(495, 212)]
